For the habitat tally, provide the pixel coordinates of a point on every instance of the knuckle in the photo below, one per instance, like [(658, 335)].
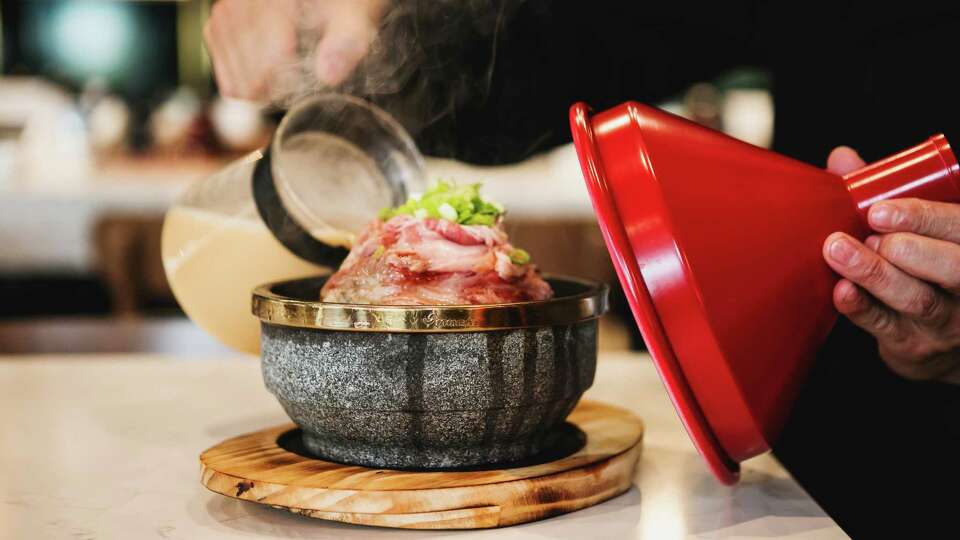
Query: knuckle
[(912, 215), (925, 219), (931, 218), (926, 306), (882, 322), (873, 272)]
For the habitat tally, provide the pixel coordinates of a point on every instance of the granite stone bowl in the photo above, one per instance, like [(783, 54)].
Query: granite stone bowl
[(428, 387)]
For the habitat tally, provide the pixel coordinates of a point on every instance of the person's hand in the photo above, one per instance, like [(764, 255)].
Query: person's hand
[(250, 40), (902, 284)]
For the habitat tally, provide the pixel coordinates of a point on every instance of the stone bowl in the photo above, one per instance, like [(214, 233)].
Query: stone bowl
[(428, 387)]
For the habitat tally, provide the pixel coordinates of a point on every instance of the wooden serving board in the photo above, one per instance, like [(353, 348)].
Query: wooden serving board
[(254, 467)]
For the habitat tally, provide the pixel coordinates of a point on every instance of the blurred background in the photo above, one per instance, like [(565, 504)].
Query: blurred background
[(109, 110)]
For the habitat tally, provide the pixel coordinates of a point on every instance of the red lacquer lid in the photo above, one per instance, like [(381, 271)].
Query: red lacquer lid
[(718, 244), (641, 302)]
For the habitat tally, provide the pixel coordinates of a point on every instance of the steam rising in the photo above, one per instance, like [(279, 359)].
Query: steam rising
[(428, 57)]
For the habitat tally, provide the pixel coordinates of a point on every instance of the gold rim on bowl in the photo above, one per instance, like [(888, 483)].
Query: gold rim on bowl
[(577, 300)]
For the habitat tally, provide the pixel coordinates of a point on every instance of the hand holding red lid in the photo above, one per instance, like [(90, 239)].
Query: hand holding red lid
[(902, 284)]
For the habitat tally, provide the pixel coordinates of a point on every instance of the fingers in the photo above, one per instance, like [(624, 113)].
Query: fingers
[(251, 42), (844, 160), (346, 40), (933, 219), (893, 287), (215, 35), (337, 56), (902, 285), (935, 261), (248, 40), (864, 311)]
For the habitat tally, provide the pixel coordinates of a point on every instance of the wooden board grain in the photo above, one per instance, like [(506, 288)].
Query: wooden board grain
[(254, 467)]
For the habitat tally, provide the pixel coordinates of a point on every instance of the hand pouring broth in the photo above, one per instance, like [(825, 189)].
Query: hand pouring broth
[(290, 210)]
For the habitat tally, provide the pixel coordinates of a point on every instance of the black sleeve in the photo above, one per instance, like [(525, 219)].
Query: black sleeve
[(874, 79), (876, 451)]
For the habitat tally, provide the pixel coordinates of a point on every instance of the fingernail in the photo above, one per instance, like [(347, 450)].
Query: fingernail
[(842, 251), (872, 242), (882, 215)]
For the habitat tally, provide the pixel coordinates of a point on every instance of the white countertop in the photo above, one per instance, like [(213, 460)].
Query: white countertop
[(105, 447)]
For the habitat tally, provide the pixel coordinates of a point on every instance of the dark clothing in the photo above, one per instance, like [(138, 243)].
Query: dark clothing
[(843, 73), (877, 452)]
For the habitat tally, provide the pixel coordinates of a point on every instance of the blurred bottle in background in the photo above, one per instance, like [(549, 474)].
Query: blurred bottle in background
[(703, 104), (107, 118), (739, 103)]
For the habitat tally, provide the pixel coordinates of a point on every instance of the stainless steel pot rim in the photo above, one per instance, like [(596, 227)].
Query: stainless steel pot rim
[(577, 300)]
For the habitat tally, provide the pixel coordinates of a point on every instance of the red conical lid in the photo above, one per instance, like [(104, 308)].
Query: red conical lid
[(640, 299), (717, 244)]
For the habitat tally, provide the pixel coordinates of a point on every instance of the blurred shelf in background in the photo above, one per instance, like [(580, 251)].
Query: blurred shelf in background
[(49, 229), (174, 336)]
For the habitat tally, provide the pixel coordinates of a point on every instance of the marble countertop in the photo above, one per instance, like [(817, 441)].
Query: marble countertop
[(105, 447)]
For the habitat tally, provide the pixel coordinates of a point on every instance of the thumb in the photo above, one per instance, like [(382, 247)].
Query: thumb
[(844, 160)]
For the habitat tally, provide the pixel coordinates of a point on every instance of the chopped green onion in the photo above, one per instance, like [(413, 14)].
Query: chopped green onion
[(481, 219), (519, 256), (448, 212), (496, 205), (446, 200)]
